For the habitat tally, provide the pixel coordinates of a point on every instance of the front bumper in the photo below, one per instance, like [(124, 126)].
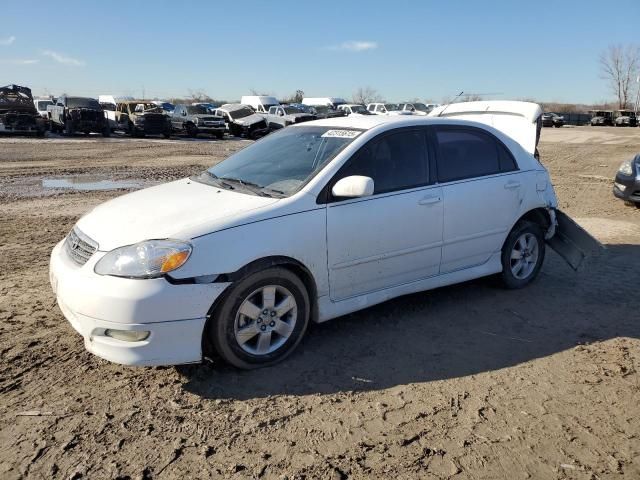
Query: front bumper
[(175, 315), (630, 191), (211, 129)]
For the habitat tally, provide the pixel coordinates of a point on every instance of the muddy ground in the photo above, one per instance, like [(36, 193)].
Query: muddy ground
[(465, 382)]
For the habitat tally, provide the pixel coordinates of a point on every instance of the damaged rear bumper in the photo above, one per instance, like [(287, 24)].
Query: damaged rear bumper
[(569, 240)]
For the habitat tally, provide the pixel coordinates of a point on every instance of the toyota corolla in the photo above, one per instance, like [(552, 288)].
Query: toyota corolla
[(308, 224)]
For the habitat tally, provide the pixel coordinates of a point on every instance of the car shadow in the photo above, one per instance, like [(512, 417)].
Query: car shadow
[(446, 333)]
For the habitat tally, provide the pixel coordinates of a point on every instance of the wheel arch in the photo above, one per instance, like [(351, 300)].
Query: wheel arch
[(538, 215), (291, 264), (295, 266)]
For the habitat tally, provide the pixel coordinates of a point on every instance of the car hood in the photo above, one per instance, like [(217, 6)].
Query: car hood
[(518, 120), (250, 120), (183, 209)]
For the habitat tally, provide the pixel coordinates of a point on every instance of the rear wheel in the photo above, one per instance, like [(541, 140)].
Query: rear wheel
[(68, 127), (219, 135), (522, 254), (192, 130), (261, 319)]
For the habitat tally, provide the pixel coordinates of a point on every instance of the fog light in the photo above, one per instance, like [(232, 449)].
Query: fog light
[(620, 187), (127, 335)]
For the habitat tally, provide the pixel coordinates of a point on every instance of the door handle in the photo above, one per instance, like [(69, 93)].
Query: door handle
[(430, 200), (511, 185)]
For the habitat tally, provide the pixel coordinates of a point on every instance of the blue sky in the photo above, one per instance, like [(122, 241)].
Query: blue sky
[(546, 50)]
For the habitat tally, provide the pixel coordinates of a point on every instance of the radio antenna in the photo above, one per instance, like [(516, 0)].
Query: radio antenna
[(447, 105)]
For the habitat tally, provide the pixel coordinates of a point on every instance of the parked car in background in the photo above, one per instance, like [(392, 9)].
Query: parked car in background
[(242, 120), (284, 115), (354, 109), (142, 117), (195, 119), (260, 103), (324, 111), (626, 118), (18, 114), (416, 108), (167, 107), (550, 119), (280, 234), (209, 106), (333, 102), (386, 109), (109, 104), (601, 118), (70, 115), (41, 105), (627, 182)]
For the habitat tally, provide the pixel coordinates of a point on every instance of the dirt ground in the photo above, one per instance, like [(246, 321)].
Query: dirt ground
[(465, 382)]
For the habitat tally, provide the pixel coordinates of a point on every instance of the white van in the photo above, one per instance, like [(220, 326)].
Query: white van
[(260, 103), (333, 102)]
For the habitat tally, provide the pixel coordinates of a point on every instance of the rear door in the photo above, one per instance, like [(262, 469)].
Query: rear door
[(395, 235), (482, 194)]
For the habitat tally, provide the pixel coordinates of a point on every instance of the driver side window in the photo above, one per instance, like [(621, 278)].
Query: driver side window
[(397, 161)]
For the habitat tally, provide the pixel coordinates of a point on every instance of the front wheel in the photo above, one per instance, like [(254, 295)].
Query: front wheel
[(68, 128), (261, 319), (522, 255)]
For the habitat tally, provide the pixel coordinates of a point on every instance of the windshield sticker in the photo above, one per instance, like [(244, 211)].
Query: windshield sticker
[(341, 134)]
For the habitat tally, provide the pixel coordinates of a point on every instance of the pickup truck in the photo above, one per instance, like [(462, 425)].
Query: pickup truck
[(241, 120), (281, 116), (77, 114), (18, 114), (141, 117), (195, 119)]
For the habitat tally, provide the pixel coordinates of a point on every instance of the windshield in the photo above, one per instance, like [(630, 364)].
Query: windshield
[(421, 107), (79, 102), (291, 110), (282, 162), (241, 113), (198, 109), (321, 109), (42, 104), (359, 109), (391, 106), (168, 107), (143, 107)]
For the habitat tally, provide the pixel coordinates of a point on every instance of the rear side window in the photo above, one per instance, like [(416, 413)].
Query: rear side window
[(395, 162), (469, 153)]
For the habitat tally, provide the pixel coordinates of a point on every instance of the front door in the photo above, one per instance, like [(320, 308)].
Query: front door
[(394, 236)]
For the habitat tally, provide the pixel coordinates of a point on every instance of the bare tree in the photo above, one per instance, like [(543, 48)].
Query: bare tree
[(619, 65), (295, 98), (199, 96), (364, 95)]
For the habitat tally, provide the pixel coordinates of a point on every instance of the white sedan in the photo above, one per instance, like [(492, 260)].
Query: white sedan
[(308, 224)]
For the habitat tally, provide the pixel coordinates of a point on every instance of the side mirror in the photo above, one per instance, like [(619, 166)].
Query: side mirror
[(355, 186)]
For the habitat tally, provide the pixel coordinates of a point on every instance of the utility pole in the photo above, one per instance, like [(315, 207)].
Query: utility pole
[(637, 95)]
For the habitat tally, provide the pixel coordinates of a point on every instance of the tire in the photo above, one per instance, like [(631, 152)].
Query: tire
[(283, 332), (133, 131), (166, 135), (220, 135), (68, 128), (192, 130), (527, 236), (106, 131), (40, 133)]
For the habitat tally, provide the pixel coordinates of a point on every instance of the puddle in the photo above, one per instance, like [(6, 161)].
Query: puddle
[(29, 187), (89, 183)]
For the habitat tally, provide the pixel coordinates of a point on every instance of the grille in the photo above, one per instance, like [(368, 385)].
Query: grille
[(79, 247)]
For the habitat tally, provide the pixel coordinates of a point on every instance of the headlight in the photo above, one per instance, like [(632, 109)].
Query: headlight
[(625, 168), (149, 259)]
